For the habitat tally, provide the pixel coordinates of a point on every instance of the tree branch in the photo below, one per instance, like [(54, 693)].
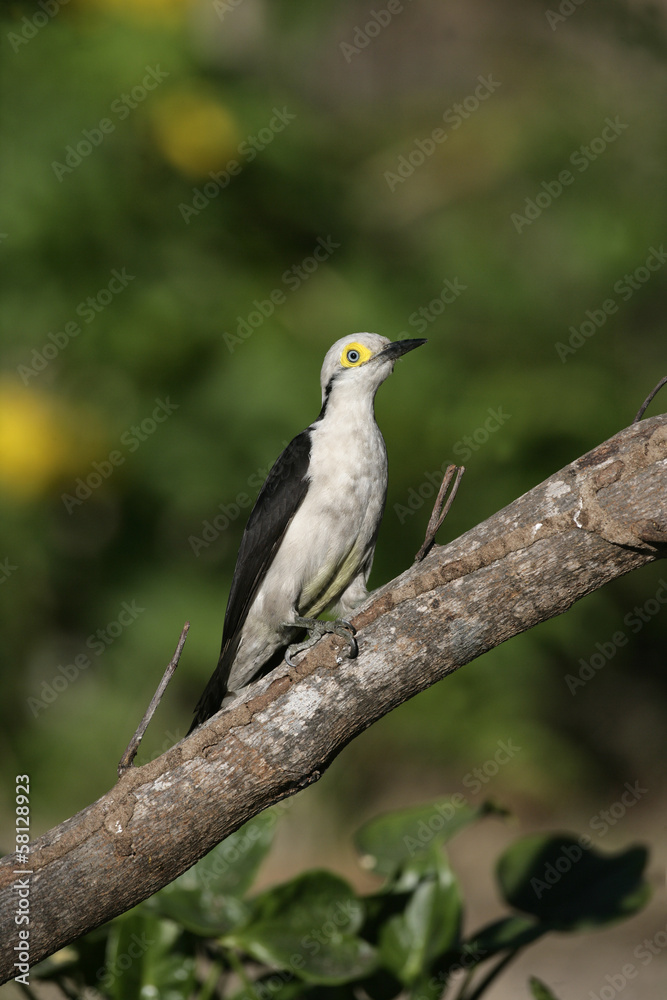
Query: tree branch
[(600, 517)]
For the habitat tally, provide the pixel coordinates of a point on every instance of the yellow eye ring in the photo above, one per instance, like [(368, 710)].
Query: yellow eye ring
[(354, 354)]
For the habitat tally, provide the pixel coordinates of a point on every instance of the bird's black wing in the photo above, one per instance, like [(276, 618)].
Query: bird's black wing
[(279, 499)]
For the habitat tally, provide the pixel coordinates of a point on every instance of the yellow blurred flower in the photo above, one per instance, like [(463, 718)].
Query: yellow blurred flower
[(36, 443), (194, 132)]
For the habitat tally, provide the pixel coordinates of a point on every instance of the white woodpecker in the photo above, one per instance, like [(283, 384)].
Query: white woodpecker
[(309, 542)]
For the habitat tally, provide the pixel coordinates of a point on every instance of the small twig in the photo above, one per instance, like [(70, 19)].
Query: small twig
[(470, 972), (649, 398), (493, 974), (132, 747), (439, 512)]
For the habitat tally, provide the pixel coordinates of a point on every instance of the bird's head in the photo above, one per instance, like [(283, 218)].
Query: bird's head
[(362, 361)]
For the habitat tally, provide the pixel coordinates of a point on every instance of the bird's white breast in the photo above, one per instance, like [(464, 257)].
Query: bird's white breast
[(339, 516)]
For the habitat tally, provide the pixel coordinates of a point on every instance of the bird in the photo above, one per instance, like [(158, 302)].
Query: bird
[(309, 542)]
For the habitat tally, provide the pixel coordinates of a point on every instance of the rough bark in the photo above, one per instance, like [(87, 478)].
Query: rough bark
[(600, 517)]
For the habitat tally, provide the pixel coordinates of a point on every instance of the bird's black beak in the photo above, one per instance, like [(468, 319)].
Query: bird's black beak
[(399, 348)]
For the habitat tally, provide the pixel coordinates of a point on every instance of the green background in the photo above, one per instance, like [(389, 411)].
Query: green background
[(366, 99)]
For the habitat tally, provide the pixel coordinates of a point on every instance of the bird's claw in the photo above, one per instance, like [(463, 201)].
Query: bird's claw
[(346, 630), (318, 629)]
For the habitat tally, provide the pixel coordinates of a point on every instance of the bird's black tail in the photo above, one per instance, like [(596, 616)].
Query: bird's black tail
[(216, 689), (211, 699)]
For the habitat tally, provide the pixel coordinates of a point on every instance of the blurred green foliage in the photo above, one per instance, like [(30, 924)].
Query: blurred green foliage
[(119, 114), (314, 937)]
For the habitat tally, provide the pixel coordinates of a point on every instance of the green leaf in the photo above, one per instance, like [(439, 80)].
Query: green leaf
[(79, 961), (317, 897), (205, 899), (275, 986), (570, 887), (506, 934), (309, 927), (382, 985), (231, 867), (428, 987), (432, 863), (86, 955), (428, 927), (539, 990), (391, 901), (202, 913), (388, 841), (146, 957), (341, 958)]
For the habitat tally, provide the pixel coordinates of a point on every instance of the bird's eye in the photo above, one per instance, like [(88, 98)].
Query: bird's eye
[(355, 354)]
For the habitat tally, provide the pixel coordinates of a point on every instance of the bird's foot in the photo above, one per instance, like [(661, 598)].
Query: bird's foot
[(318, 629)]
